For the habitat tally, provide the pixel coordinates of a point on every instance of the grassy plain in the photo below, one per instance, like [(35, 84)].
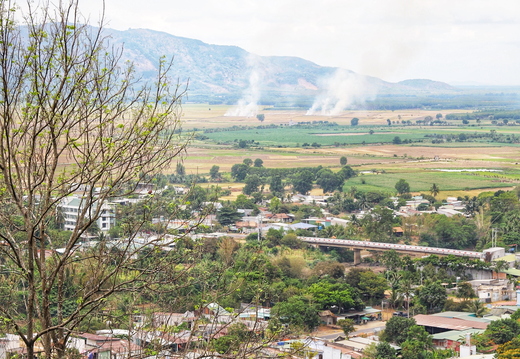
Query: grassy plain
[(415, 162)]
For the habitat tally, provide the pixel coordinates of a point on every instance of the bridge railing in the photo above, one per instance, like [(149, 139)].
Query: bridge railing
[(387, 246)]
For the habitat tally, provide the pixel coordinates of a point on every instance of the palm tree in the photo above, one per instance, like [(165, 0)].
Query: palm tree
[(434, 190), (476, 307), (405, 288)]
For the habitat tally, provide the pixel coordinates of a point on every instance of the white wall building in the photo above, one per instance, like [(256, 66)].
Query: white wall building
[(71, 208)]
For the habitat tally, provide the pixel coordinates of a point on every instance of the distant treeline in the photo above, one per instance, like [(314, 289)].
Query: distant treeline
[(486, 115), (385, 102), (303, 124)]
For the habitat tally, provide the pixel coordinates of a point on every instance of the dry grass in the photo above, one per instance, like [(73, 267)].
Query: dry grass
[(211, 116)]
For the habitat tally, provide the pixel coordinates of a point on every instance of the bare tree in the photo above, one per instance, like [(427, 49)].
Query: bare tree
[(72, 118)]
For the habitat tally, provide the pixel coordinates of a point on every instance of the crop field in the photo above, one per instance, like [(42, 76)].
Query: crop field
[(421, 180), (295, 137), (202, 116), (417, 161)]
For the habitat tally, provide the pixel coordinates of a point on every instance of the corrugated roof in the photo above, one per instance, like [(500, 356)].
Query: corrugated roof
[(456, 335), (464, 316), (448, 323), (512, 271)]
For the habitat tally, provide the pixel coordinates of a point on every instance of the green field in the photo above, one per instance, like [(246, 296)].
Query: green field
[(422, 180), (293, 137), (347, 135)]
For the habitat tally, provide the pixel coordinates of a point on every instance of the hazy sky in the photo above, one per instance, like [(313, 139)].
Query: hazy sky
[(446, 40)]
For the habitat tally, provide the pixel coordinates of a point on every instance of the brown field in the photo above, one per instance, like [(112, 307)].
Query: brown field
[(200, 160), (211, 116)]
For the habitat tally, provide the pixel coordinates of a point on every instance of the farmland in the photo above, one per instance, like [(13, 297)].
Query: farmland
[(371, 147)]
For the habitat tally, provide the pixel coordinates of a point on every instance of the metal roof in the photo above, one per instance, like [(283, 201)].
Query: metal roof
[(448, 323)]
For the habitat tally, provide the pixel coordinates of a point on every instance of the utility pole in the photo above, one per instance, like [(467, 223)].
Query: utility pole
[(259, 226), (494, 232)]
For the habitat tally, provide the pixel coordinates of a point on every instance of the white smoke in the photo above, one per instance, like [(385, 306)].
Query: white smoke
[(248, 105), (340, 91)]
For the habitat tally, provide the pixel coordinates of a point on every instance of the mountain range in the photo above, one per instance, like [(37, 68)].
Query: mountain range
[(226, 73)]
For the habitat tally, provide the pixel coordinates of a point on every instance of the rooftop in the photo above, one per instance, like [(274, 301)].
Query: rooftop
[(448, 323)]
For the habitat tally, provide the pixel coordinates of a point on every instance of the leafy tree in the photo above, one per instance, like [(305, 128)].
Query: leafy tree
[(297, 311), (274, 236), (239, 171), (347, 172), (260, 117), (354, 121), (476, 307), (372, 285), (275, 205), (213, 172), (419, 343), (402, 186), (378, 225), (385, 351), (237, 333), (64, 96), (438, 116), (503, 330), (465, 290), (302, 181), (347, 325), (276, 186), (432, 296), (328, 295), (343, 160), (259, 163), (396, 140), (242, 144), (248, 162), (516, 315), (244, 202), (291, 240), (253, 183), (228, 215), (509, 350), (434, 190), (180, 169), (328, 180), (396, 330), (331, 269)]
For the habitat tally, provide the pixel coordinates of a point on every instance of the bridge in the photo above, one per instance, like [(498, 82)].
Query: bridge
[(357, 246)]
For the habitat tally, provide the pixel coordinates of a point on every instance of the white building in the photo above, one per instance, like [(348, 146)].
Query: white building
[(71, 208)]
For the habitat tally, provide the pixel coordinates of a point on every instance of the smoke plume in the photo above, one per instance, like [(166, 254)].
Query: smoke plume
[(248, 105), (341, 91)]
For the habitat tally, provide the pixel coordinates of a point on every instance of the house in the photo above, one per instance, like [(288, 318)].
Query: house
[(493, 290), (328, 318), (11, 345), (169, 342), (339, 221), (314, 348), (103, 347), (72, 208), (173, 319), (448, 212), (397, 231), (215, 313), (362, 316), (319, 222), (453, 339)]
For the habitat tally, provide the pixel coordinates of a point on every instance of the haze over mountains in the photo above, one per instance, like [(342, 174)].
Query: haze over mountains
[(227, 73)]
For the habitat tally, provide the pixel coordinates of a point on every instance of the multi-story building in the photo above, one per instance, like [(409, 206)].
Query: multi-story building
[(72, 207)]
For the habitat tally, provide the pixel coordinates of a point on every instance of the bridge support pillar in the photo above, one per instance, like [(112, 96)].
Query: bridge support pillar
[(357, 256)]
